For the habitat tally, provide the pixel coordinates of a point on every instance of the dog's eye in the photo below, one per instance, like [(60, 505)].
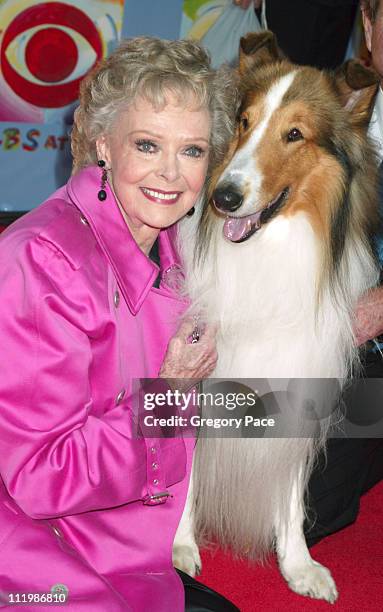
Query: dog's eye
[(244, 122), (294, 135)]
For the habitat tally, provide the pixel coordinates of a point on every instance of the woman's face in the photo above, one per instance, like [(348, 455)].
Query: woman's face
[(158, 161)]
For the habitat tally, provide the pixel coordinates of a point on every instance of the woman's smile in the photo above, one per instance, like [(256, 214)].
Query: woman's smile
[(161, 197)]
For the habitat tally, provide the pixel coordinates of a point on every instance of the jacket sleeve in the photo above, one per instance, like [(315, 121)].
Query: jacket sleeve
[(56, 458)]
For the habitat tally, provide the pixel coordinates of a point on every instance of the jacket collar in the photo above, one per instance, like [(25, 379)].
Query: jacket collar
[(134, 271)]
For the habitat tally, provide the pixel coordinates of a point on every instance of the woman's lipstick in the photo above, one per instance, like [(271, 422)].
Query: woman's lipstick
[(161, 197)]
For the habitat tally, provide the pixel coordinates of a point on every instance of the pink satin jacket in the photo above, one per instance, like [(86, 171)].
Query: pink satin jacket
[(80, 319)]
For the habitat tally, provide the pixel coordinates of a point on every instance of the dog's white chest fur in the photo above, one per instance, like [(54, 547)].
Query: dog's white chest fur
[(263, 293)]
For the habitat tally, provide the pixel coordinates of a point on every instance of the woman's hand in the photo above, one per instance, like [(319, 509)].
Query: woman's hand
[(246, 3), (184, 360)]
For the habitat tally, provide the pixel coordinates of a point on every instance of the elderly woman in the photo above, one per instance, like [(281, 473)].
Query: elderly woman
[(89, 509)]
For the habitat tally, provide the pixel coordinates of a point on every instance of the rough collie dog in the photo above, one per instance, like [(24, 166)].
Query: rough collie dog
[(282, 253)]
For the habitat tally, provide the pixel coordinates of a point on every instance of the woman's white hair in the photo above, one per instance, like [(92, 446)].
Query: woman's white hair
[(154, 69)]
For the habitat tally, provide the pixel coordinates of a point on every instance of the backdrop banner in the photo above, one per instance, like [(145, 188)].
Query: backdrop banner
[(219, 26), (46, 48)]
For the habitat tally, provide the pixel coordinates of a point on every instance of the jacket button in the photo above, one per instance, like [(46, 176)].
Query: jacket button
[(120, 397), (155, 481), (116, 299), (153, 449), (83, 220), (57, 532), (60, 589), (154, 465)]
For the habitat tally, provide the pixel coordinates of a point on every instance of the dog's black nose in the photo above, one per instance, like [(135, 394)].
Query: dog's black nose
[(227, 198)]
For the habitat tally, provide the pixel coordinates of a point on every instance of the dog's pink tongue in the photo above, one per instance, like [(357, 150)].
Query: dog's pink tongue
[(237, 228)]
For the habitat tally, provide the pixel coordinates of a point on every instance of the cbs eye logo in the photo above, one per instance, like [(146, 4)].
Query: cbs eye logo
[(46, 50)]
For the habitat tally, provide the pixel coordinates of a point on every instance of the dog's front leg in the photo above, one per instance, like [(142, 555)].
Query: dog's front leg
[(185, 550), (303, 574)]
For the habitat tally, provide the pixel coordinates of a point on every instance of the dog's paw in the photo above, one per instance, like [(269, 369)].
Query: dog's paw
[(314, 580), (187, 559)]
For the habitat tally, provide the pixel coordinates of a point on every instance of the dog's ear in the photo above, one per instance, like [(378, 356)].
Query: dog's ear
[(257, 49), (357, 86)]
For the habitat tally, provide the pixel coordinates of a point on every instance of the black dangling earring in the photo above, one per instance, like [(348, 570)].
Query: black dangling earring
[(104, 177), (191, 212)]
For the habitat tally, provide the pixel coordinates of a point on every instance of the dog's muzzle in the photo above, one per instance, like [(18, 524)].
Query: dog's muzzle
[(239, 229), (227, 198)]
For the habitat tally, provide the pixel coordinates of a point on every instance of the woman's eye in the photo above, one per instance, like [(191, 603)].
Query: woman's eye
[(146, 146), (194, 151), (294, 135)]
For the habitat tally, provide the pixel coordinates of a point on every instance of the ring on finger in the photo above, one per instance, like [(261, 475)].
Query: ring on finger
[(195, 336)]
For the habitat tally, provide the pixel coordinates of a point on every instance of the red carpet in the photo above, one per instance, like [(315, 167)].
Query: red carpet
[(354, 556)]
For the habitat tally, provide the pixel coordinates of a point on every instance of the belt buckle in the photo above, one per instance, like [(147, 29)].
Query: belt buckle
[(156, 499)]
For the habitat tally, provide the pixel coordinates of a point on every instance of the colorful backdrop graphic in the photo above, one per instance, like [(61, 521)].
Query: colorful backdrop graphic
[(199, 16), (42, 49), (45, 50)]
